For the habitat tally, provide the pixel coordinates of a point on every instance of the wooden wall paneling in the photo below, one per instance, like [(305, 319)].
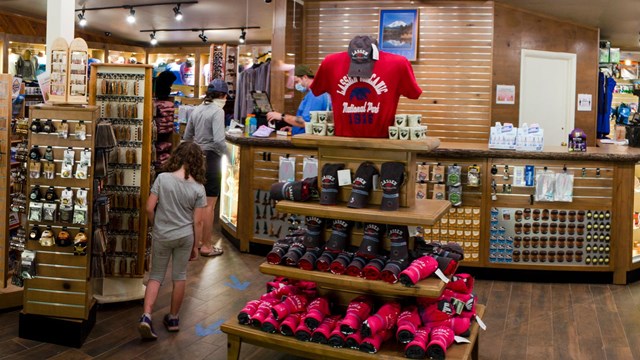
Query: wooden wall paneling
[(517, 29), (622, 232), (454, 62)]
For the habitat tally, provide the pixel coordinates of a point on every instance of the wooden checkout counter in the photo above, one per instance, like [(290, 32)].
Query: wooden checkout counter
[(598, 231)]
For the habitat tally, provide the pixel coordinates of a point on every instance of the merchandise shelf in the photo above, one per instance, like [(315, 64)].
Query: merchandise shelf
[(424, 213), (237, 334), (431, 287)]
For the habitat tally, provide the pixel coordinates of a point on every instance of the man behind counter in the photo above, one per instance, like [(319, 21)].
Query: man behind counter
[(304, 78)]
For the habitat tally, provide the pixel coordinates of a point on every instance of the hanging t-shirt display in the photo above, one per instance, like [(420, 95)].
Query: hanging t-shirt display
[(365, 105)]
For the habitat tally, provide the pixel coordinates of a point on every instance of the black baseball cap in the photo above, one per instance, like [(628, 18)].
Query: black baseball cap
[(391, 179), (363, 51), (329, 184), (362, 185)]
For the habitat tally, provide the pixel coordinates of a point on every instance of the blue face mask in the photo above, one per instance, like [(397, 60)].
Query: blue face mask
[(301, 88)]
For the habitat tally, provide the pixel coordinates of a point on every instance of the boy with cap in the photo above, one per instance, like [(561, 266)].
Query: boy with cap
[(206, 128), (310, 102)]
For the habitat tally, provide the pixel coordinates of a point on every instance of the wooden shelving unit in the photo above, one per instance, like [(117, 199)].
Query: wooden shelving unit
[(352, 152)]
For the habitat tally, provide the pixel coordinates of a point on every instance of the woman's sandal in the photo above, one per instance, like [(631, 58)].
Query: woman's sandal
[(215, 251)]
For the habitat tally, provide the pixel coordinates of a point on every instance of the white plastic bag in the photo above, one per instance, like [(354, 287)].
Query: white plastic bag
[(564, 187), (545, 186), (287, 169)]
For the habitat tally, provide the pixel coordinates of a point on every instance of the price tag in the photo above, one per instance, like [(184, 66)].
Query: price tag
[(481, 323), (344, 177), (442, 276), (461, 340)]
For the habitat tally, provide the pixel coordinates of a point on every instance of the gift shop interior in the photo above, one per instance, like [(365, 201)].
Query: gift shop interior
[(397, 179)]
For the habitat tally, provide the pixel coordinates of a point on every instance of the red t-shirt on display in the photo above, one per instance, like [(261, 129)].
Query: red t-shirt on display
[(365, 107)]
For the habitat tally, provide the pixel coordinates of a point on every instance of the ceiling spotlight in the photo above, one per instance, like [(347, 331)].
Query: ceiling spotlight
[(177, 12), (153, 40), (203, 37), (243, 37), (82, 21), (131, 18)]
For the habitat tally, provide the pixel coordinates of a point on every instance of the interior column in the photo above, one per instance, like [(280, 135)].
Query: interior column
[(60, 22)]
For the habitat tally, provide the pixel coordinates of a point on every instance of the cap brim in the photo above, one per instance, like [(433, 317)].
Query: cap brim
[(390, 204), (328, 197), (364, 69), (357, 201)]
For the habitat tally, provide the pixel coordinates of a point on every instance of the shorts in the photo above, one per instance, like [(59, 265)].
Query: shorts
[(179, 250), (212, 187)]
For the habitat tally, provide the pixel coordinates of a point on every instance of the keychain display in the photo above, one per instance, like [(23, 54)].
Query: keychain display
[(423, 173), (81, 171), (34, 233), (63, 129), (35, 169), (80, 243), (439, 192), (438, 173), (50, 195), (80, 132), (48, 127), (455, 195), (473, 175), (49, 170), (454, 175), (34, 153), (35, 194), (48, 153), (63, 238), (36, 126), (47, 238), (49, 211)]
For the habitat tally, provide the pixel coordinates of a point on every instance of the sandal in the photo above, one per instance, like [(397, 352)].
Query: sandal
[(215, 251)]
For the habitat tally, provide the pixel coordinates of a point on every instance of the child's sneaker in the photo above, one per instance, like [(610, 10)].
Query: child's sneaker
[(172, 324), (145, 327)]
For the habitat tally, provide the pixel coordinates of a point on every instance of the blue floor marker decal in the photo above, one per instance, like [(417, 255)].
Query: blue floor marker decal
[(236, 284), (209, 330)]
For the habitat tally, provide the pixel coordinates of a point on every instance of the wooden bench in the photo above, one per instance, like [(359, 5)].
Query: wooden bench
[(237, 334)]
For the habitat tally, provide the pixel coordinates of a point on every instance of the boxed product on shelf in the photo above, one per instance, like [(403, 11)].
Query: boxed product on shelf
[(530, 138), (503, 136)]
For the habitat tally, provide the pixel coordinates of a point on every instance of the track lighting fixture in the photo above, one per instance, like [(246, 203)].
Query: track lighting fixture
[(82, 21), (203, 37), (177, 13), (243, 37), (153, 40), (131, 18)]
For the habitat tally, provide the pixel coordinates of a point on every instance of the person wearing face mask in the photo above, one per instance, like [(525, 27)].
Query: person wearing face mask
[(205, 127), (303, 78)]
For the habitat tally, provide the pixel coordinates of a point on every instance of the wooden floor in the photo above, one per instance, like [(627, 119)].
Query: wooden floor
[(525, 320)]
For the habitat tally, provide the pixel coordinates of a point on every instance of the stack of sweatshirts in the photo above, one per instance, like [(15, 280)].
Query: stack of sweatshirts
[(164, 124)]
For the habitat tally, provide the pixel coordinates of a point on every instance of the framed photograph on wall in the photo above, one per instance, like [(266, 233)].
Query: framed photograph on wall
[(398, 32)]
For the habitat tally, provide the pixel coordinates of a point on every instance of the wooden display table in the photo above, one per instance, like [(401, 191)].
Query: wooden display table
[(237, 334)]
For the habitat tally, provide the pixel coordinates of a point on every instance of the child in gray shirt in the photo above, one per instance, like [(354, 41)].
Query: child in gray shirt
[(175, 207)]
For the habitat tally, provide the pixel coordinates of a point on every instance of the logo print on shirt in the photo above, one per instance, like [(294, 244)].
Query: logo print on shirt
[(375, 81)]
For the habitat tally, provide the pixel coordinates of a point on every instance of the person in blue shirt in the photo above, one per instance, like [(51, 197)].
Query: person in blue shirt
[(304, 78)]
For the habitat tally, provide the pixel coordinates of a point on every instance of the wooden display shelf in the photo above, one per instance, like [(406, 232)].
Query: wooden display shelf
[(237, 334), (431, 287), (424, 213), (425, 145)]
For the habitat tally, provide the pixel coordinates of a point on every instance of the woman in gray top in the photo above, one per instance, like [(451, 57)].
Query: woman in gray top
[(206, 128), (176, 207)]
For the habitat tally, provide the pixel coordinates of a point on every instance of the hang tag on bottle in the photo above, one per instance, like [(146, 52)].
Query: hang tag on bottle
[(344, 177), (442, 276), (481, 323), (461, 340)]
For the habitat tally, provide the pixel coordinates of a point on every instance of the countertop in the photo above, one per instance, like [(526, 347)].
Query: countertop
[(603, 152)]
